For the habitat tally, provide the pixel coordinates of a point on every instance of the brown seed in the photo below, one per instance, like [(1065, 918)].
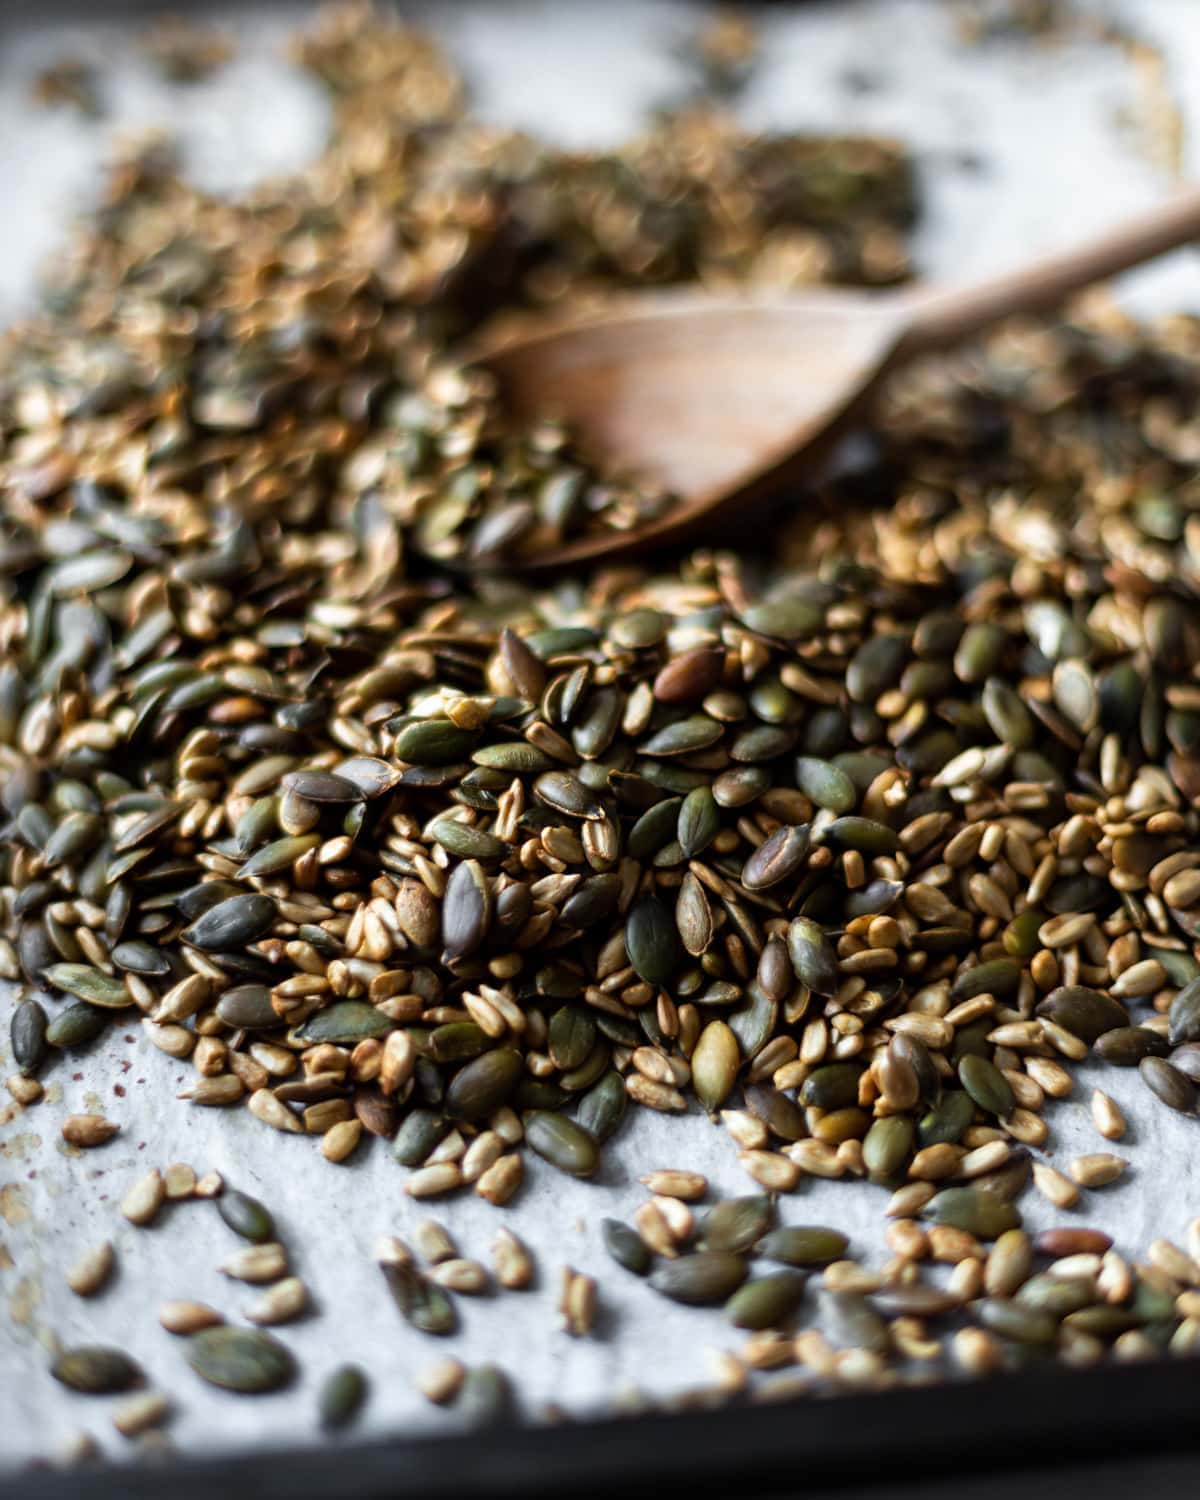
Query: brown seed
[(88, 1130)]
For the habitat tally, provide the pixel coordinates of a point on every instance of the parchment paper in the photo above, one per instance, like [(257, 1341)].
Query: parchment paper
[(1021, 146)]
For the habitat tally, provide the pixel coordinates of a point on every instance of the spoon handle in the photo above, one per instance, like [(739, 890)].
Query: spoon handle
[(940, 318)]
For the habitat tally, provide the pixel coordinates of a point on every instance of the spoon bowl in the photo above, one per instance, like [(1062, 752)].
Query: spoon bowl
[(723, 400)]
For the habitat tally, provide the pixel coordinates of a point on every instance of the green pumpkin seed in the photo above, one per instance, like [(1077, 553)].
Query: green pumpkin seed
[(826, 784), (715, 1063), (813, 957), (480, 1087), (421, 1132), (76, 1026), (1184, 1015), (651, 941), (998, 977), (232, 923), (777, 858), (832, 1086), (572, 1036), (562, 1143), (603, 1107), (735, 1225), (875, 667), (767, 1301), (95, 1371), (700, 1279), (1167, 1083), (246, 1360), (428, 742), (699, 822), (1126, 1046), (786, 619), (626, 1246), (1085, 1013), (345, 1023), (246, 1216), (986, 1085), (466, 910), (89, 984), (248, 1007), (862, 834), (341, 1397), (28, 1035), (279, 854), (781, 1116), (485, 1398), (1011, 1320), (980, 1214), (887, 1146), (803, 1246)]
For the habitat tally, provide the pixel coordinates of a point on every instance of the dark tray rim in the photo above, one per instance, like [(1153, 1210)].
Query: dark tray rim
[(1082, 1431)]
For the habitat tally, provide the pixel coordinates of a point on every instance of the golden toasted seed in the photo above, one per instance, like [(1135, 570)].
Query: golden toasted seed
[(179, 1181), (769, 1350), (668, 1183), (909, 1199), (1175, 1262), (257, 1264), (441, 1381), (747, 1130), (512, 1261), (88, 1130), (1106, 1113), (283, 1302), (1009, 1264), (142, 1202), (141, 1412), (1052, 1185), (24, 1090), (729, 1373), (188, 1317), (460, 1275), (770, 1170), (502, 1179), (211, 1185), (652, 1225), (431, 1182), (264, 1106), (849, 1276), (977, 1351), (92, 1270), (1097, 1169), (577, 1303), (434, 1242), (483, 1152), (340, 1140)]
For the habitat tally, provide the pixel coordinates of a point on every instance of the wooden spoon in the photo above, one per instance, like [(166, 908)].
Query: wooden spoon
[(723, 399)]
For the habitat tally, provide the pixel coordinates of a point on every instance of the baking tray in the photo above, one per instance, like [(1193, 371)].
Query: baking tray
[(1103, 1429)]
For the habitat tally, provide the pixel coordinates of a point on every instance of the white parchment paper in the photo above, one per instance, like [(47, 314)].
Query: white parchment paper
[(1020, 147)]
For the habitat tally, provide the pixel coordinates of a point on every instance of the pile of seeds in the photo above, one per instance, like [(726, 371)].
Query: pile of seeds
[(860, 847)]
